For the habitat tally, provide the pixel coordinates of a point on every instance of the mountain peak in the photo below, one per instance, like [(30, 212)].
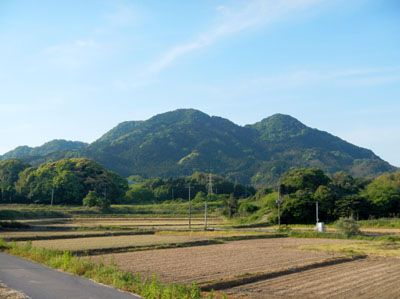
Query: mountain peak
[(47, 148), (279, 126), (180, 115)]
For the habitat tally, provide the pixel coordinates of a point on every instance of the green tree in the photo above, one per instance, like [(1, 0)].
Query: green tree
[(140, 194), (303, 179), (9, 172), (71, 180), (230, 206), (384, 194), (91, 199)]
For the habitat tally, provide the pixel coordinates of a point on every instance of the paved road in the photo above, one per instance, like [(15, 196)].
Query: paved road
[(39, 282)]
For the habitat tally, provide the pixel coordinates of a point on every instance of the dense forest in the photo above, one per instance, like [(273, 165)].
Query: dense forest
[(77, 181), (66, 181), (184, 141)]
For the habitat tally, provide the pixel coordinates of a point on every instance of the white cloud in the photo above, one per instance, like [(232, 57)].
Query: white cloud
[(233, 20)]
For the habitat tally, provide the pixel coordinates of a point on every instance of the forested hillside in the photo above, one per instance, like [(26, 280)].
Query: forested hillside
[(181, 142)]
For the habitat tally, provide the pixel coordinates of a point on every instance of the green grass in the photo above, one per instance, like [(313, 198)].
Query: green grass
[(174, 209), (106, 274), (327, 235), (380, 248), (381, 223)]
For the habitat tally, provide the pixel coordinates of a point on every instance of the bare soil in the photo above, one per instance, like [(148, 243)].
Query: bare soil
[(362, 279), (204, 264)]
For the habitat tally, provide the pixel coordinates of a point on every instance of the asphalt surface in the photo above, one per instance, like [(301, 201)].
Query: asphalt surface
[(39, 282)]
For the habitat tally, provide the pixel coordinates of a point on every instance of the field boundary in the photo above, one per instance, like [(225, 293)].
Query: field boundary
[(215, 241), (256, 277), (77, 236)]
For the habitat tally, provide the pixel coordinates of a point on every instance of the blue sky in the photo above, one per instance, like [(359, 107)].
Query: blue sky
[(74, 69)]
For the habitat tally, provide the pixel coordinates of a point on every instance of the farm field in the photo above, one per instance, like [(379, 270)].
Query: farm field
[(204, 264), (34, 235), (80, 244), (361, 279), (123, 223)]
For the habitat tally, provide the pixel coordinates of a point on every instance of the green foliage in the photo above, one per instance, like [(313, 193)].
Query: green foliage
[(230, 206), (71, 180), (9, 171), (177, 143), (140, 194), (348, 227), (91, 199), (247, 208), (303, 179), (27, 153), (384, 194)]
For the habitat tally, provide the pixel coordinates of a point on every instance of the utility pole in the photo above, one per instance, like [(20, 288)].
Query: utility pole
[(52, 196), (190, 208), (279, 201), (316, 211), (210, 191)]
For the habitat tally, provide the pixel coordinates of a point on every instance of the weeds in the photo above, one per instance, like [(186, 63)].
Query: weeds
[(149, 288)]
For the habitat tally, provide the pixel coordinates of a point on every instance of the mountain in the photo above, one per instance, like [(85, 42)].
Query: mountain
[(180, 142), (57, 148)]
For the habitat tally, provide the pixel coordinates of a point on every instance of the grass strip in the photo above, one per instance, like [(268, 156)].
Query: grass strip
[(255, 277), (77, 236), (327, 235), (106, 274)]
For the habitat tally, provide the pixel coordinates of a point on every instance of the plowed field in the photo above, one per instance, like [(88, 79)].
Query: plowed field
[(363, 279), (225, 261)]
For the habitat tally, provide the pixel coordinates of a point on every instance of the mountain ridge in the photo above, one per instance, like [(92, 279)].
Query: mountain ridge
[(182, 141)]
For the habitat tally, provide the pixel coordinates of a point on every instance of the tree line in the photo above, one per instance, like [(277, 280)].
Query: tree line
[(338, 195), (70, 181)]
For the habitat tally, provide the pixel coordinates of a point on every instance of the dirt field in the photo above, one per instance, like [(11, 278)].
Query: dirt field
[(214, 262), (362, 279), (134, 240), (49, 234), (112, 242), (126, 222)]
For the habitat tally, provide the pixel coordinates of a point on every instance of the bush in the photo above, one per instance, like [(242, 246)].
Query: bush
[(348, 227), (92, 199), (247, 208)]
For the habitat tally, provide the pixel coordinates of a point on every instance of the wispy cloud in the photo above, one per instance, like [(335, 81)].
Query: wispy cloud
[(233, 20)]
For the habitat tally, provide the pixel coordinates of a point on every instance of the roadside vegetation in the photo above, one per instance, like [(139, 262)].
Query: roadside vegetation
[(108, 274)]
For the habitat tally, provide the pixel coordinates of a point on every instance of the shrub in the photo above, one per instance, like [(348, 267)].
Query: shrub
[(90, 199), (247, 208), (348, 227)]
